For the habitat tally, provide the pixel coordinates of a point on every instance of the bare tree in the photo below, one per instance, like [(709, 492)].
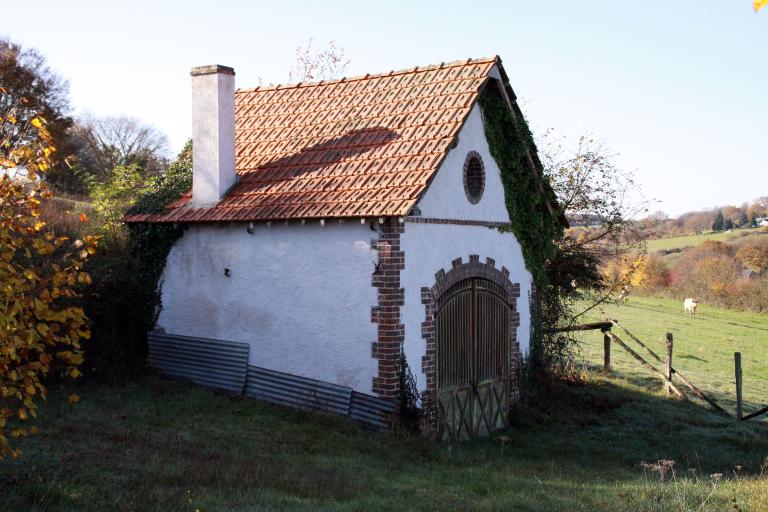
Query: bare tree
[(313, 64), (604, 201), (108, 142)]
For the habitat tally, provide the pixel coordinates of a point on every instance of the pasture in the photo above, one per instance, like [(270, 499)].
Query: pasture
[(703, 346), (681, 242)]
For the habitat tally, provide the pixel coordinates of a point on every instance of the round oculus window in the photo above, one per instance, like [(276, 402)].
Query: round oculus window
[(474, 177)]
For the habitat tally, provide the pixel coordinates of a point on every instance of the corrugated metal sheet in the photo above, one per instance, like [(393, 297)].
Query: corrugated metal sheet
[(224, 365), (300, 392), (371, 411), (216, 364)]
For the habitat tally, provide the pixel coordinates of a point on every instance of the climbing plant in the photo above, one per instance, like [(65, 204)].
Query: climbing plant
[(124, 300), (150, 243), (409, 399), (532, 207), (529, 198)]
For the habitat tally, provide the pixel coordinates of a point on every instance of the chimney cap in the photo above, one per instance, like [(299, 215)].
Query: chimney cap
[(212, 69)]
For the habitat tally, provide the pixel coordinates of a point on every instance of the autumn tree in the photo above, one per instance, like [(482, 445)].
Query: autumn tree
[(655, 272), (754, 255), (707, 272), (602, 198), (759, 207), (33, 89), (40, 275)]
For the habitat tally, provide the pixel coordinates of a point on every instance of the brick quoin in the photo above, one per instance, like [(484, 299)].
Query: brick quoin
[(391, 297), (430, 296)]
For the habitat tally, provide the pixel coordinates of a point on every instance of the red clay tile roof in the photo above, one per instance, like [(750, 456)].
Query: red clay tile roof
[(356, 147)]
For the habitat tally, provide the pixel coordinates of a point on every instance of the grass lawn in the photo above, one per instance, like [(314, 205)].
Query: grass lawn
[(155, 445), (703, 346), (681, 242)]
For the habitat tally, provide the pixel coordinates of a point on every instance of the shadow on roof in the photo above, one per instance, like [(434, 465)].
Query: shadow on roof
[(350, 146)]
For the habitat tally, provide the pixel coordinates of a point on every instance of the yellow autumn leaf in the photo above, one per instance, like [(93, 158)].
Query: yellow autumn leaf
[(36, 122), (759, 4)]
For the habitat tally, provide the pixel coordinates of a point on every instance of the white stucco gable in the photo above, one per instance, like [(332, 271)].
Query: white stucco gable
[(445, 198)]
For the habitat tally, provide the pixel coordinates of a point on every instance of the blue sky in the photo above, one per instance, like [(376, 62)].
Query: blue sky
[(676, 88)]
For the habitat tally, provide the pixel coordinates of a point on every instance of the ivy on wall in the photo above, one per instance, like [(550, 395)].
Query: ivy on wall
[(531, 204), (150, 243), (529, 197)]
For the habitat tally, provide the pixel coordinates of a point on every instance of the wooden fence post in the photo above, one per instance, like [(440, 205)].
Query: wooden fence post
[(668, 363), (606, 350), (737, 361)]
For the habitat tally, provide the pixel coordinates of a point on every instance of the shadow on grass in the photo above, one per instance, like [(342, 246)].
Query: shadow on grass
[(157, 445)]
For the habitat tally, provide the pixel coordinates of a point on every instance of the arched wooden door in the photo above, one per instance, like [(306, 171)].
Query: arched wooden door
[(472, 359)]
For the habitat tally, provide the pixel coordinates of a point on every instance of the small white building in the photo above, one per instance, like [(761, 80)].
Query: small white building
[(334, 226)]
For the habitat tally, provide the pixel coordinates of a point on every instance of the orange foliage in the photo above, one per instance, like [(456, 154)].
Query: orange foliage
[(754, 255), (40, 328), (628, 270)]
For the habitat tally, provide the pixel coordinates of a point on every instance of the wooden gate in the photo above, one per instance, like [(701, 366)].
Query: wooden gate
[(472, 359)]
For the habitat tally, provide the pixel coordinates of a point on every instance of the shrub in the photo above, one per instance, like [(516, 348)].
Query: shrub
[(125, 299), (754, 255), (112, 198), (41, 276), (655, 272), (707, 272)]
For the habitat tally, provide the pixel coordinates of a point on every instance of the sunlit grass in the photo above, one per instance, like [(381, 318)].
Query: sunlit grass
[(703, 346), (680, 242)]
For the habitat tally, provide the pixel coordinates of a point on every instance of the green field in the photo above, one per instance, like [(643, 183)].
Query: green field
[(703, 347), (577, 444), (680, 242)]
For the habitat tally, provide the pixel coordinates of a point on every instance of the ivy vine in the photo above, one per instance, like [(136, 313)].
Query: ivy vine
[(527, 192), (530, 200), (150, 243)]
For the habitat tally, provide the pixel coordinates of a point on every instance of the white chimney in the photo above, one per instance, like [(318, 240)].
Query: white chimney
[(213, 133)]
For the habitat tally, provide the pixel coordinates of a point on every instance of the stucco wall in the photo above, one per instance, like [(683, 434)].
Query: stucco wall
[(431, 247), (300, 295), (445, 197)]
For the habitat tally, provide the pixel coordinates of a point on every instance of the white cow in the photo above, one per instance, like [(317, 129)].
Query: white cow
[(689, 305), (624, 295)]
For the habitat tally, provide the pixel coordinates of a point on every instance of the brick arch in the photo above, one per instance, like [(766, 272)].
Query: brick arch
[(430, 296)]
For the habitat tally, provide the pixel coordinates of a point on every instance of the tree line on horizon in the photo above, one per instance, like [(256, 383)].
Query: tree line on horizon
[(723, 218)]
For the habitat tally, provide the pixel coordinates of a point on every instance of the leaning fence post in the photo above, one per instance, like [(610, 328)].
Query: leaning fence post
[(606, 349), (737, 361), (668, 363)]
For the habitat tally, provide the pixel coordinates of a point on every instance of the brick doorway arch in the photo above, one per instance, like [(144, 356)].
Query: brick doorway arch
[(472, 353)]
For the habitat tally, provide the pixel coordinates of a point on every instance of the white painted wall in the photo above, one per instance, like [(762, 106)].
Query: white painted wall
[(431, 247), (300, 295), (445, 197)]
